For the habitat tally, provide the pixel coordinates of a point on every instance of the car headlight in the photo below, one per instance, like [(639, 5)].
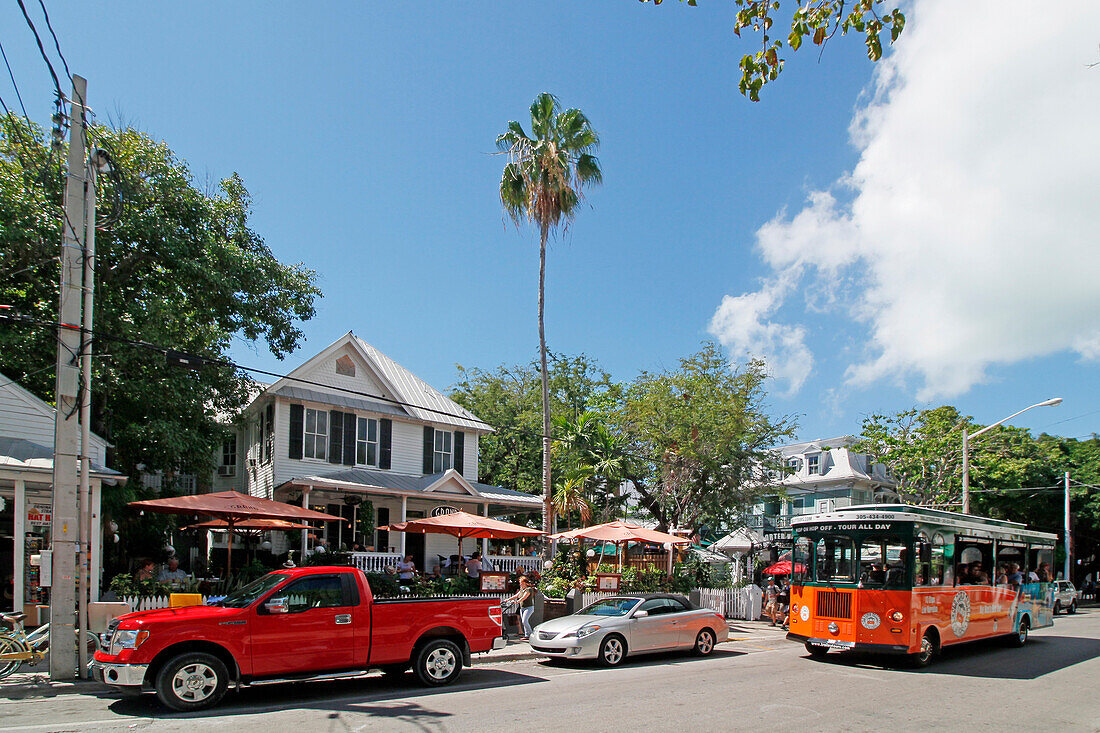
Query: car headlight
[(127, 639), (587, 630)]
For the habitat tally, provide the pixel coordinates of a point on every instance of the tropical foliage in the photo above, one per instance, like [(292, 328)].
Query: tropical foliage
[(543, 184)]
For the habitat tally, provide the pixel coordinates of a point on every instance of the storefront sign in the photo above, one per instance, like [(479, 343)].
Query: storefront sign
[(39, 515), (493, 582), (608, 582), (442, 509)]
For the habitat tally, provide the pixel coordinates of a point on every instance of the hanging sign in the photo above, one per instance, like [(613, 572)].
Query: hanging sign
[(39, 515), (442, 509)]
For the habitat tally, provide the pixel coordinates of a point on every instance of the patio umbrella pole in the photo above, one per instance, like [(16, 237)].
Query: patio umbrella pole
[(229, 553)]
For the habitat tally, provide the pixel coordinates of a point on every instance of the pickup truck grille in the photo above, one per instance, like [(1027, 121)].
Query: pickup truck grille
[(833, 604)]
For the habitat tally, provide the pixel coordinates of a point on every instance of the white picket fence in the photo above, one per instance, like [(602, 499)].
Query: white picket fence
[(511, 563), (736, 603), (375, 562), (152, 603)]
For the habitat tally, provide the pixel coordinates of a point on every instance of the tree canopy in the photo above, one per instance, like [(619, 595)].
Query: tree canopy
[(814, 20), (176, 266)]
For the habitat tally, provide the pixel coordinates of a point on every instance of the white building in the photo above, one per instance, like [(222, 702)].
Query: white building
[(819, 476), (26, 496), (352, 428)]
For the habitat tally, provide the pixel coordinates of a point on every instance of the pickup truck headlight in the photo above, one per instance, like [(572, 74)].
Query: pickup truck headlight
[(127, 639)]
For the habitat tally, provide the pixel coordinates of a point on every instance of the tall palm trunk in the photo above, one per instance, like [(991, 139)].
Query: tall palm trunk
[(547, 509)]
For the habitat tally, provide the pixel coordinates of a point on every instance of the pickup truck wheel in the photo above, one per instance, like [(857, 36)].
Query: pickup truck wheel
[(438, 662), (192, 681), (1057, 607), (1072, 607)]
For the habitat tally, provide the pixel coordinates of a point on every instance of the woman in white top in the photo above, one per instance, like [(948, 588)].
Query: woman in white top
[(406, 569)]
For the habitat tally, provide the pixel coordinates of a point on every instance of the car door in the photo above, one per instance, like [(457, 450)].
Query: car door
[(686, 621), (312, 633), (655, 630)]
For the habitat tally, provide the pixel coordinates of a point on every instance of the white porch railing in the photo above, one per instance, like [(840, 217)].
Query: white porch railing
[(511, 563), (375, 562)]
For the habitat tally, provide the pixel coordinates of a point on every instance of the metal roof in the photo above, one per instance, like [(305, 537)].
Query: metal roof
[(366, 478), (22, 453), (328, 398)]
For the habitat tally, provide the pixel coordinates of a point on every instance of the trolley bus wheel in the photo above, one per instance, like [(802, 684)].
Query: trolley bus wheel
[(1020, 637), (817, 652), (927, 650)]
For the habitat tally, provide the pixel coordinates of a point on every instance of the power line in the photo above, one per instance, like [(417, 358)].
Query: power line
[(41, 48), (14, 84), (55, 43)]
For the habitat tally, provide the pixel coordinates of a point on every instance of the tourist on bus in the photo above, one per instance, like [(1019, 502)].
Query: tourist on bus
[(1044, 573), (977, 575), (1002, 574), (1015, 577)]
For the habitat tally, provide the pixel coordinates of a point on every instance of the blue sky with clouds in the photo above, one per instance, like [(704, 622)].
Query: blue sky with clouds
[(912, 234)]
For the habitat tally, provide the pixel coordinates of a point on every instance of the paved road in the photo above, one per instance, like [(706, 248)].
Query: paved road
[(763, 683)]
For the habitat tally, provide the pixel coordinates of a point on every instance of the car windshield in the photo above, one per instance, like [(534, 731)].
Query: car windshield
[(610, 607), (245, 595)]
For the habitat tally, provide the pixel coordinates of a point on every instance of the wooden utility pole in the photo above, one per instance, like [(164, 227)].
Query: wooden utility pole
[(65, 525)]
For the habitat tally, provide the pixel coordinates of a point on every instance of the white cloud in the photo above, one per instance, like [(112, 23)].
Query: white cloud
[(971, 237), (742, 325)]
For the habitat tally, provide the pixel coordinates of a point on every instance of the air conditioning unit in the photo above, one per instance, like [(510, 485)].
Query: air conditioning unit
[(227, 471), (824, 506)]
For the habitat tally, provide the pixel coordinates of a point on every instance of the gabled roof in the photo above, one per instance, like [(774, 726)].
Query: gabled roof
[(33, 403), (412, 394)]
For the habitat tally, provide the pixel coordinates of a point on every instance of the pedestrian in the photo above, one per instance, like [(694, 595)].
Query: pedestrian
[(473, 566), (525, 597), (784, 601), (771, 596), (406, 568)]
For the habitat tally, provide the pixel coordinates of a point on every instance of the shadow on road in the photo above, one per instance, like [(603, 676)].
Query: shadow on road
[(373, 695), (649, 660), (990, 658)]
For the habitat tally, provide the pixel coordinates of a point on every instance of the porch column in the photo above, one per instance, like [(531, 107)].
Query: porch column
[(404, 517), (305, 532), (484, 540), (95, 549), (20, 545)]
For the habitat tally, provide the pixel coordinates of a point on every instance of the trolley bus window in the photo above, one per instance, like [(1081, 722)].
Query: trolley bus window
[(939, 575), (1011, 566), (883, 561), (923, 561), (801, 571), (975, 559), (835, 559), (1041, 559)]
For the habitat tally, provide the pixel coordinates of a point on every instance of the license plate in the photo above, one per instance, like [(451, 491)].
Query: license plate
[(833, 643)]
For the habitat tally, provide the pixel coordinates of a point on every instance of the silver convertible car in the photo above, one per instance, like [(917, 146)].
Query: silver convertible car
[(611, 628)]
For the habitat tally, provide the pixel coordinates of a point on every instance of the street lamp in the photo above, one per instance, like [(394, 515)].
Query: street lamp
[(966, 446)]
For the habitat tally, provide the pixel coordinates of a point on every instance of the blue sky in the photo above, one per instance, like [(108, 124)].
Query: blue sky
[(365, 131)]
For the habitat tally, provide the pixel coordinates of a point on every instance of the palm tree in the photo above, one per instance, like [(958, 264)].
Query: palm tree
[(542, 183)]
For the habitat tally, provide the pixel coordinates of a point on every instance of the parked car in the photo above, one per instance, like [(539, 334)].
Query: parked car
[(1065, 596), (612, 628), (293, 623)]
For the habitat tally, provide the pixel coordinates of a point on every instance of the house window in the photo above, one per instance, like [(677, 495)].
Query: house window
[(315, 440), (442, 457), (813, 464), (229, 457), (366, 442), (345, 366), (792, 463)]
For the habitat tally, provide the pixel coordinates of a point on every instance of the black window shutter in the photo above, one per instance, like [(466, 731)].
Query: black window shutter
[(385, 440), (460, 451), (429, 449), (297, 427), (336, 435), (349, 439), (269, 436)]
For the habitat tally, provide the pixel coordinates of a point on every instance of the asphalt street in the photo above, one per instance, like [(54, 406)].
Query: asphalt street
[(760, 682)]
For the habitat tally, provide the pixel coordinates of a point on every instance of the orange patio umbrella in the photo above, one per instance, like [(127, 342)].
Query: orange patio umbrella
[(251, 525), (233, 507), (620, 532), (462, 525)]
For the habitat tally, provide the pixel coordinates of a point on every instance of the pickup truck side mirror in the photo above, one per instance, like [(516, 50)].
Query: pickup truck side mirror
[(276, 605), (641, 614)]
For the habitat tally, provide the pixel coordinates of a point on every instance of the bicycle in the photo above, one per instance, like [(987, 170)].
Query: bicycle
[(18, 647)]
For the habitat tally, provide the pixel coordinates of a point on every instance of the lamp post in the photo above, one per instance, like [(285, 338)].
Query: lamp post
[(966, 446)]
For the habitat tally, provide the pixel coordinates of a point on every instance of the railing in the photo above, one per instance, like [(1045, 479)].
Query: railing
[(736, 603), (512, 563), (375, 562)]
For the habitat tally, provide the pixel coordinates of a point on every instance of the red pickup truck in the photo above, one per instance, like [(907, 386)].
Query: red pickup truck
[(293, 624)]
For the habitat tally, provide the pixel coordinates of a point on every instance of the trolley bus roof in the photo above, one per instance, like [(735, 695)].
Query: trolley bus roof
[(908, 513)]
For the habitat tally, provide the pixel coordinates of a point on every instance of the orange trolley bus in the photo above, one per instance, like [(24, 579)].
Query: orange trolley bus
[(898, 579)]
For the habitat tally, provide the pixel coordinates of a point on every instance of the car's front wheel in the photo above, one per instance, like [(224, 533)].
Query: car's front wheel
[(613, 651), (438, 662), (1072, 607), (192, 681), (704, 642), (1057, 607)]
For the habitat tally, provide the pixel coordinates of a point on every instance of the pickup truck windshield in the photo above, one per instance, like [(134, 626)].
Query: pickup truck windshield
[(245, 595)]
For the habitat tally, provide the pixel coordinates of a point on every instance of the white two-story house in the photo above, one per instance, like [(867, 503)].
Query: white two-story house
[(819, 476), (353, 433)]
